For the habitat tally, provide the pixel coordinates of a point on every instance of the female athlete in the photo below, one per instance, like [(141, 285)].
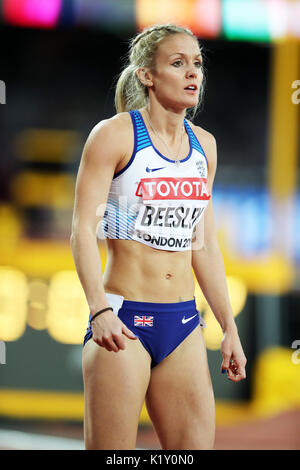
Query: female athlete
[(144, 184)]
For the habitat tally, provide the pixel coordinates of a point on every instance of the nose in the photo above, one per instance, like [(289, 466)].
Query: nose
[(192, 72)]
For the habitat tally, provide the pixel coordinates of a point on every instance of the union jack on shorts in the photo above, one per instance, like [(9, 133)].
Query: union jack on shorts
[(143, 321)]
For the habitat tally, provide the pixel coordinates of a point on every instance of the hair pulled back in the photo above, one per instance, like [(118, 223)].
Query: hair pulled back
[(130, 92)]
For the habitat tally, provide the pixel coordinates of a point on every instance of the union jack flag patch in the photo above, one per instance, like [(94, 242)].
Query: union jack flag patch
[(143, 321)]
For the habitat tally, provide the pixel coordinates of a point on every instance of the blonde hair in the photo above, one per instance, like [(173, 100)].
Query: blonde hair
[(130, 92)]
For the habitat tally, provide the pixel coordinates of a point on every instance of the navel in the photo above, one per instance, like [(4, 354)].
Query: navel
[(168, 276)]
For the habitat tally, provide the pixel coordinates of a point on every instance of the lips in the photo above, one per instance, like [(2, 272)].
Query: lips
[(191, 87)]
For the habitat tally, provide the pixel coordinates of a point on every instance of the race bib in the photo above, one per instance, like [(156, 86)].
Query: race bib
[(170, 210)]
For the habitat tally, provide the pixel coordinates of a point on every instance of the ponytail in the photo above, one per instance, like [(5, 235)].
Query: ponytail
[(130, 92)]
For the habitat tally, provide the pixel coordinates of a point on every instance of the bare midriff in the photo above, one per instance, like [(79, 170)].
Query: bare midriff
[(144, 274)]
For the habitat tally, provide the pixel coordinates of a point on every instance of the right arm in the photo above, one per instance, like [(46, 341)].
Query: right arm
[(101, 154)]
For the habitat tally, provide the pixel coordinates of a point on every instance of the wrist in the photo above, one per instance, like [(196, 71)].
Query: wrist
[(229, 327), (96, 307), (105, 309)]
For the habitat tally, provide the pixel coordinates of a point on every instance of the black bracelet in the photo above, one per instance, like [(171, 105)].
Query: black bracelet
[(100, 311)]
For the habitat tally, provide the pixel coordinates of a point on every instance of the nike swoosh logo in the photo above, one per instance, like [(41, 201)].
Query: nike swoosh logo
[(185, 320), (154, 169)]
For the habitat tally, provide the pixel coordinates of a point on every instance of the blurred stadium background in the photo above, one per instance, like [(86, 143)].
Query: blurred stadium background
[(58, 64)]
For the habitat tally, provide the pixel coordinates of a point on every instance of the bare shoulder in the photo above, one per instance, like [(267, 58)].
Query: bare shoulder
[(107, 129), (109, 141)]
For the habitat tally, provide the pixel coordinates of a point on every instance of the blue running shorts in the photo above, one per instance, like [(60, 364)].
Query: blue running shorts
[(160, 327)]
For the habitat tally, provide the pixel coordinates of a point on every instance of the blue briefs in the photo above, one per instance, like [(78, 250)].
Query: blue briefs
[(160, 327)]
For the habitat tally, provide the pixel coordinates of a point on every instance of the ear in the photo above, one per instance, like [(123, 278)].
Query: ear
[(145, 76)]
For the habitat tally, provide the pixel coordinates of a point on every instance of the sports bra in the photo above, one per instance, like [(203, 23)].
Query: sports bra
[(155, 200)]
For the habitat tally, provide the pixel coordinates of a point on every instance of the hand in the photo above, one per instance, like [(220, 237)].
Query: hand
[(234, 360), (108, 331)]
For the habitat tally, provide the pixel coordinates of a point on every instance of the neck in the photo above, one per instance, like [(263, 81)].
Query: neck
[(168, 123)]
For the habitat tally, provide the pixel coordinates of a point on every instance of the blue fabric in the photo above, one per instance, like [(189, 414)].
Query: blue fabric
[(167, 330)]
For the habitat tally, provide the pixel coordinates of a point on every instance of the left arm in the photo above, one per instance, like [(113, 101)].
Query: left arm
[(208, 266)]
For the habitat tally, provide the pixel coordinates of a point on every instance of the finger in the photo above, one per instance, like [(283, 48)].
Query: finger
[(128, 333), (224, 367), (237, 374), (119, 341), (109, 344), (234, 369), (238, 367), (224, 370), (98, 341), (102, 344), (236, 378), (242, 372), (226, 361)]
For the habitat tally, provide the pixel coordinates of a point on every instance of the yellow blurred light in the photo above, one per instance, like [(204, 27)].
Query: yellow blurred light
[(31, 188), (13, 303), (67, 315), (276, 381), (38, 257), (37, 304), (180, 12), (10, 225), (237, 293), (47, 145), (284, 122), (45, 404), (213, 333)]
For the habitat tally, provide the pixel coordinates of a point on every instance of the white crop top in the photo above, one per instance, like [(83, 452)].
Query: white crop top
[(152, 199)]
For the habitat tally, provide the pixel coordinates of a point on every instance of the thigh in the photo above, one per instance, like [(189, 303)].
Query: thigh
[(115, 385), (180, 399)]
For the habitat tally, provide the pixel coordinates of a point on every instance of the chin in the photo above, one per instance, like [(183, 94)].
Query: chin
[(190, 103), (184, 104)]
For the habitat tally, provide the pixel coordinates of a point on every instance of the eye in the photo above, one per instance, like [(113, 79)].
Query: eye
[(177, 63), (198, 64)]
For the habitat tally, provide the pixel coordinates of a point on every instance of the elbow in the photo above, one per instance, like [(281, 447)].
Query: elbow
[(81, 235), (208, 249), (74, 233), (74, 229), (72, 238), (212, 247)]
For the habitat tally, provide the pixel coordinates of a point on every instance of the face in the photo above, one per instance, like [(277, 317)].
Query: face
[(178, 65)]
